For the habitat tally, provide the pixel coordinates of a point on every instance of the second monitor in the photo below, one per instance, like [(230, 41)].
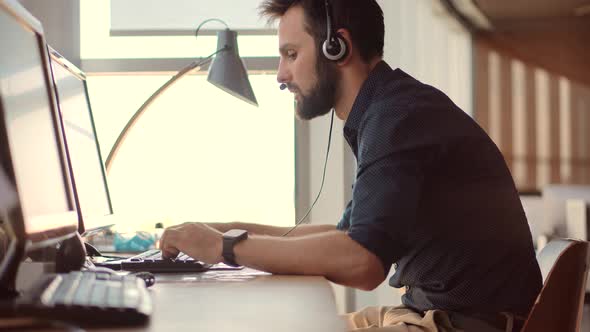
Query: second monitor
[(84, 150)]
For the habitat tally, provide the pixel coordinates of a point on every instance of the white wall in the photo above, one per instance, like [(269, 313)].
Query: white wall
[(61, 23), (422, 39)]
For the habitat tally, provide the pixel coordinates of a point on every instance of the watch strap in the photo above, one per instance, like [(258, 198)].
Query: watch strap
[(230, 238)]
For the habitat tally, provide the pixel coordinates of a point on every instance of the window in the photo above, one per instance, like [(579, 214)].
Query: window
[(197, 154)]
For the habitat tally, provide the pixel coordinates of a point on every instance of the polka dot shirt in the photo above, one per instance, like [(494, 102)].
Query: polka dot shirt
[(434, 198)]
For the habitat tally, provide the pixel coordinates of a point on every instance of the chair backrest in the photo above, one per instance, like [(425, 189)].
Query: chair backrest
[(564, 266)]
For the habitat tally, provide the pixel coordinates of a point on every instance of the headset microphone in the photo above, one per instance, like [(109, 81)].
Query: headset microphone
[(283, 86)]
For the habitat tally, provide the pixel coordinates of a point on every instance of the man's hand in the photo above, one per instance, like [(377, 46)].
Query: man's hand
[(197, 240)]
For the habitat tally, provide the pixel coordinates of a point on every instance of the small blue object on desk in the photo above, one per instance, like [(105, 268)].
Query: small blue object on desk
[(140, 241)]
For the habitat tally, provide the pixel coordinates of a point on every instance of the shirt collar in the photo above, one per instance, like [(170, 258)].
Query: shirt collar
[(363, 100)]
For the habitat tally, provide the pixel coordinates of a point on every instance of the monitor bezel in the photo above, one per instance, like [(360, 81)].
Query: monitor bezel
[(17, 219)]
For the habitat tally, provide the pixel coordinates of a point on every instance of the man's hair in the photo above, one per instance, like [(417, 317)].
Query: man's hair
[(362, 18)]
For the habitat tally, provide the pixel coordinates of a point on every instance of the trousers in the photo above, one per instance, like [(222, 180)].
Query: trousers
[(404, 319)]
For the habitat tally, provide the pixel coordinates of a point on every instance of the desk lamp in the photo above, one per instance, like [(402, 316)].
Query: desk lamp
[(226, 71)]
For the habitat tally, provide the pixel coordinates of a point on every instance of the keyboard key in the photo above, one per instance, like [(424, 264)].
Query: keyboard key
[(82, 294), (98, 295), (131, 298), (48, 295), (115, 295)]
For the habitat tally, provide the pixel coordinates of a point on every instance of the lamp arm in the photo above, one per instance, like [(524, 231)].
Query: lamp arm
[(123, 135)]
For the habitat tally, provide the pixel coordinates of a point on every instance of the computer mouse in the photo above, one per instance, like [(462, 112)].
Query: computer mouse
[(148, 277)]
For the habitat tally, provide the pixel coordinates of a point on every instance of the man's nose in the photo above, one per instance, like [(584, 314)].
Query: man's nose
[(283, 75)]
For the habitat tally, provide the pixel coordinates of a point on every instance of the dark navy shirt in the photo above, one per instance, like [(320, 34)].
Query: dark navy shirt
[(434, 197)]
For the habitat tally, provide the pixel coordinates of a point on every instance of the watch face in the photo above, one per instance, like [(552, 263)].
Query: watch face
[(234, 233)]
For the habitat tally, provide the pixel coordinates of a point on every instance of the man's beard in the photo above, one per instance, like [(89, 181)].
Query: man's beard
[(322, 96)]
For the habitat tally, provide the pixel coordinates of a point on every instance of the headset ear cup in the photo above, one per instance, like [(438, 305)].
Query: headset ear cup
[(334, 49)]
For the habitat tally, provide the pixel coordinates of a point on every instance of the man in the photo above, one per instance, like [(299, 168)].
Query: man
[(433, 195)]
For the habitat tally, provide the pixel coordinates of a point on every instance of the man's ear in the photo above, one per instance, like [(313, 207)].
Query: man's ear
[(345, 35)]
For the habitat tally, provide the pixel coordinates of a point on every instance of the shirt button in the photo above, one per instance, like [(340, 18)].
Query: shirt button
[(395, 266)]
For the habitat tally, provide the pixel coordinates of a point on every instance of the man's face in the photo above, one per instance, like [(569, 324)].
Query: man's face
[(312, 78)]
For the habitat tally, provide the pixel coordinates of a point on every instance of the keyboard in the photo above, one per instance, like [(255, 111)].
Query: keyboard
[(152, 261), (88, 298)]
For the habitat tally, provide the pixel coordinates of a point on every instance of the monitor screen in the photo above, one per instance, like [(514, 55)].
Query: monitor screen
[(30, 124), (80, 134)]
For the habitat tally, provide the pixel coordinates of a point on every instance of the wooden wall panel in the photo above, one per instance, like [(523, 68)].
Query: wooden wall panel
[(547, 148)]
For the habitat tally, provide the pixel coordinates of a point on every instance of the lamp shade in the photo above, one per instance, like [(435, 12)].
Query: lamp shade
[(227, 71)]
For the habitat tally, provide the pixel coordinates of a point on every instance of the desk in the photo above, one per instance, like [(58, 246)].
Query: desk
[(241, 301)]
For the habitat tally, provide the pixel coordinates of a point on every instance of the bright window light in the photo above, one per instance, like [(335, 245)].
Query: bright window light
[(198, 154)]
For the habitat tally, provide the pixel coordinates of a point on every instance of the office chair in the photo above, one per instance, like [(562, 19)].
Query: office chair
[(564, 266)]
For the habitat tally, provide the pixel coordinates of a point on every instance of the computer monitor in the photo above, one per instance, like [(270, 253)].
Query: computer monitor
[(82, 142), (37, 208)]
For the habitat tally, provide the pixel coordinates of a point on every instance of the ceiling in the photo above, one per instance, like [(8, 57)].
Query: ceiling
[(553, 34), (531, 9)]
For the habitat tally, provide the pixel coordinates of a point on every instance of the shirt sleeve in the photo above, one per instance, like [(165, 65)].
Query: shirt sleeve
[(344, 223), (392, 165)]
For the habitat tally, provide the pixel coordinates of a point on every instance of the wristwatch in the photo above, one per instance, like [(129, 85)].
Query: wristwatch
[(230, 238)]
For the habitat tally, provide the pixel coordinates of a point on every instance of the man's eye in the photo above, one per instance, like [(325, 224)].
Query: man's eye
[(291, 55)]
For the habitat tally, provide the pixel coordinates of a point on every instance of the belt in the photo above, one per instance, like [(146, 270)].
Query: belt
[(498, 321)]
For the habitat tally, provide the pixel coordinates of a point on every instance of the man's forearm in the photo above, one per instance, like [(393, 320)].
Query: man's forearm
[(268, 230), (331, 254), (324, 251)]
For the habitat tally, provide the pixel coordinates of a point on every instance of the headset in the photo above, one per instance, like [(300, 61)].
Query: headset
[(334, 47)]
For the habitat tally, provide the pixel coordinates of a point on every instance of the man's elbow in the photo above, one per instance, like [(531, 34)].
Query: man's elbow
[(372, 274)]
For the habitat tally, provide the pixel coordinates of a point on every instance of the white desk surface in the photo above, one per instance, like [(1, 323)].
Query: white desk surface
[(244, 300)]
